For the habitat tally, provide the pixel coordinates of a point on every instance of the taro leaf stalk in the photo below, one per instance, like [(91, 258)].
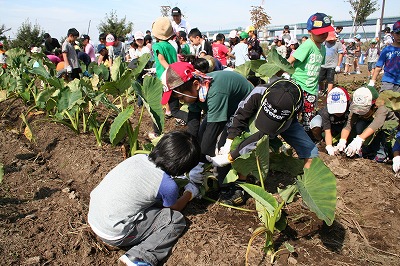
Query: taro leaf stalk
[(1, 172)]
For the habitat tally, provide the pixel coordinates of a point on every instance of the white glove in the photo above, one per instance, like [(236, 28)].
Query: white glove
[(371, 83), (330, 149), (286, 76), (354, 147), (337, 69), (396, 164), (193, 189), (196, 174), (219, 160), (226, 148), (341, 145), (69, 69)]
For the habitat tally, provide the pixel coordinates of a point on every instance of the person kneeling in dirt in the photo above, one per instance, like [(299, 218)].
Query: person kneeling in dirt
[(331, 119), (275, 107), (218, 95), (138, 202), (365, 124)]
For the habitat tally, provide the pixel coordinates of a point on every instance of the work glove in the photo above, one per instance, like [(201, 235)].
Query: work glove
[(341, 146), (196, 175), (354, 147), (69, 69), (193, 189), (337, 69), (371, 83), (219, 160), (396, 164), (330, 149), (226, 148)]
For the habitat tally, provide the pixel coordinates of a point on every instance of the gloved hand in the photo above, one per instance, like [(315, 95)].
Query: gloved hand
[(286, 75), (196, 174), (396, 164), (330, 149), (226, 148), (354, 147), (337, 69), (69, 69), (219, 160), (193, 189), (341, 145), (371, 83)]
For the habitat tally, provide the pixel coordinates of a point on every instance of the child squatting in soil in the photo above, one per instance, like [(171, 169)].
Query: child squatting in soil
[(137, 203)]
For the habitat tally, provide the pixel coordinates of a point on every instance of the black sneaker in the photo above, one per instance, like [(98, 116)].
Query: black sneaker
[(234, 196)]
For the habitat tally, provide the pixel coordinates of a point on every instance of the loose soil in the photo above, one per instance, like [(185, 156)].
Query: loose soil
[(44, 201)]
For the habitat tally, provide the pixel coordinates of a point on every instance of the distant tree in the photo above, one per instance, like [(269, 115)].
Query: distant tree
[(115, 26), (28, 35), (259, 17), (165, 10), (361, 10)]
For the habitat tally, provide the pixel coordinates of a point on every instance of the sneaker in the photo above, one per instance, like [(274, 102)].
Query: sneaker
[(358, 72), (180, 122), (381, 159), (132, 261), (152, 135), (234, 197)]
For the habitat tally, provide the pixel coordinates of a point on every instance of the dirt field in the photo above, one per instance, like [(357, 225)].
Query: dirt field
[(44, 201)]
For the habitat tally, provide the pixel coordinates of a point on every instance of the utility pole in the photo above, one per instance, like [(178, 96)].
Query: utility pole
[(380, 23)]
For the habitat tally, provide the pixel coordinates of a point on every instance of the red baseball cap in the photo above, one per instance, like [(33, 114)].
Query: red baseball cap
[(174, 76), (319, 23)]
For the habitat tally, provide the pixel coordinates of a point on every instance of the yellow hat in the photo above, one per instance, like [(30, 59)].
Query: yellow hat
[(250, 28), (162, 28)]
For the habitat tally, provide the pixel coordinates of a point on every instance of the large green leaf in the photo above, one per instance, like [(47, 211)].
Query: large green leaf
[(70, 96), (119, 123), (41, 71), (252, 65), (246, 164), (262, 196), (318, 189), (151, 93), (118, 87), (275, 63), (390, 99), (287, 164), (43, 97)]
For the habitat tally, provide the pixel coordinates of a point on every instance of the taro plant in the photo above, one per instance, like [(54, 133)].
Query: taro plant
[(316, 185)]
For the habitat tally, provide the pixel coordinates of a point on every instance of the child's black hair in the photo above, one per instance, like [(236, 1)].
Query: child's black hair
[(220, 37), (148, 39), (74, 32), (176, 153), (195, 32)]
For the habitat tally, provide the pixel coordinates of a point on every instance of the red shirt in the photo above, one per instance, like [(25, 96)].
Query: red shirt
[(220, 51)]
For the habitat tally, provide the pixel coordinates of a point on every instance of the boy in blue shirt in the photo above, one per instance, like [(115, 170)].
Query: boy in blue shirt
[(307, 61), (390, 58), (137, 203)]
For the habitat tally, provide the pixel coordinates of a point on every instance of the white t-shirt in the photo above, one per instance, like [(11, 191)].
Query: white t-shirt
[(241, 53), (183, 26)]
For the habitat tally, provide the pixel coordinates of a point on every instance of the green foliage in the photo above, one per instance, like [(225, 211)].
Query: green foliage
[(291, 165), (151, 93), (275, 63), (120, 125), (361, 10), (112, 24), (27, 35), (318, 189), (390, 99)]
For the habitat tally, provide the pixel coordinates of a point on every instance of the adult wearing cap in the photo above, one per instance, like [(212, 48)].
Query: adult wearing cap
[(366, 120), (286, 37), (390, 60), (217, 94), (179, 24), (50, 44), (307, 61), (274, 106), (332, 118), (88, 47)]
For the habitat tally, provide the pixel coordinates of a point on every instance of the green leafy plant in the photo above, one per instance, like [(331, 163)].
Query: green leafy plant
[(316, 185)]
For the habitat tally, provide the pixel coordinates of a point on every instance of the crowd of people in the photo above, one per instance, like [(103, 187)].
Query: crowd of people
[(137, 203)]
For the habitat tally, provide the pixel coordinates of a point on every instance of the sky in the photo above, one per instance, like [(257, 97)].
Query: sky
[(56, 16)]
